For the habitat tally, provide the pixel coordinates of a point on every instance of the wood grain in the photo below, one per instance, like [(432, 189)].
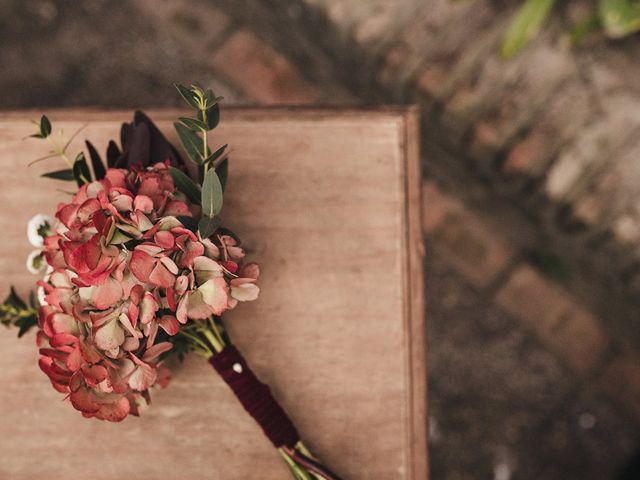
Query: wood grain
[(327, 201)]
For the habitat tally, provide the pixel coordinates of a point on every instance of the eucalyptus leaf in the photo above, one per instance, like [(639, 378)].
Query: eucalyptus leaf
[(25, 324), (223, 172), (211, 194), (66, 174), (194, 124), (14, 299), (191, 142), (213, 116), (185, 185), (81, 170), (189, 223), (45, 126), (189, 96), (525, 25), (209, 97), (216, 155), (208, 225)]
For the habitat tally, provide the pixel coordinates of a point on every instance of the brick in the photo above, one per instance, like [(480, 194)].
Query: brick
[(555, 317), (261, 72), (457, 234), (620, 380)]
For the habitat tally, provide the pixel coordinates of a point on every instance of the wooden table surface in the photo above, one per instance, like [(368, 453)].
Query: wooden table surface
[(327, 201)]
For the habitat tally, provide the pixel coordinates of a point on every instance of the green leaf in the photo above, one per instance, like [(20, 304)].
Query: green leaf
[(213, 116), (25, 324), (66, 175), (211, 194), (189, 96), (81, 170), (223, 172), (525, 25), (185, 185), (14, 299), (189, 223), (215, 155), (191, 142), (620, 17), (208, 225), (45, 126), (194, 124), (210, 98)]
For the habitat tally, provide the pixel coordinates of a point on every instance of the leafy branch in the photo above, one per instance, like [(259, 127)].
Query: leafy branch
[(194, 136), (77, 169), (14, 311)]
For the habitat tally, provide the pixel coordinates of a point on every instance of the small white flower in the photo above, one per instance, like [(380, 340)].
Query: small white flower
[(38, 228), (36, 262)]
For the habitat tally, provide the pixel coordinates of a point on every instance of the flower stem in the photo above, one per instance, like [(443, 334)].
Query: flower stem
[(217, 345), (198, 344), (60, 152), (205, 148)]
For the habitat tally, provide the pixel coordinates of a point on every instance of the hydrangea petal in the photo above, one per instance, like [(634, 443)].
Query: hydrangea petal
[(245, 292), (215, 293), (169, 324), (109, 336), (107, 294)]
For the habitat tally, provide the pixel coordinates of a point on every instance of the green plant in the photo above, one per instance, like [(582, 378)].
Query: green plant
[(616, 18)]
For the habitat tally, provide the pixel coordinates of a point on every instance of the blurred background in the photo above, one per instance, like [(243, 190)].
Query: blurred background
[(531, 122)]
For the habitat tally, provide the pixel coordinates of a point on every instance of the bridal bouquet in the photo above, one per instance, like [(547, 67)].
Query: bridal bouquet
[(137, 267)]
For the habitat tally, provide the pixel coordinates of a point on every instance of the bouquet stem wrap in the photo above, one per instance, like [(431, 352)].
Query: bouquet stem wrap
[(255, 397)]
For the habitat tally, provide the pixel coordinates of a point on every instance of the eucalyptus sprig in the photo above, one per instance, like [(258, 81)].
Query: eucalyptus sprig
[(14, 311), (194, 136), (77, 169)]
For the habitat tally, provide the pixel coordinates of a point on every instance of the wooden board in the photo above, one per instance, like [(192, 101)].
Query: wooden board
[(328, 203)]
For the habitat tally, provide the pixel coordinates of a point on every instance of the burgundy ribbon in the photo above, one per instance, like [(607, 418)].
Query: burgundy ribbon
[(255, 397)]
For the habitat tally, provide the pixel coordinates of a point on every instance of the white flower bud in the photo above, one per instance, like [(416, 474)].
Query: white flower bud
[(36, 262), (38, 228)]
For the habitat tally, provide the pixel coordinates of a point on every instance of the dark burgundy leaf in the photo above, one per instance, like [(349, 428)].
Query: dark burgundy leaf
[(96, 162), (160, 149), (113, 152), (137, 146)]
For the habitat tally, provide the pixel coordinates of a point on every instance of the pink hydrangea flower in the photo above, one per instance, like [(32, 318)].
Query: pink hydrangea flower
[(123, 269)]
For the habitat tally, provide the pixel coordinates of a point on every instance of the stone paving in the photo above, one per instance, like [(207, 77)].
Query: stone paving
[(534, 365)]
